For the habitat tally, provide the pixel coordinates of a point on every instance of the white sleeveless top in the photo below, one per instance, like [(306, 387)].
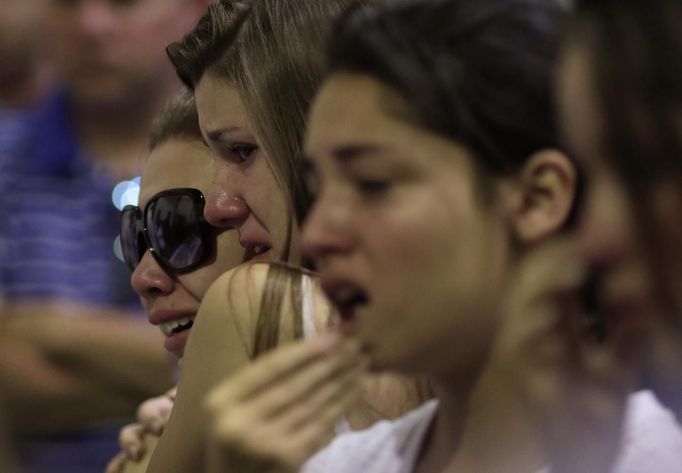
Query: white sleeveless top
[(652, 443)]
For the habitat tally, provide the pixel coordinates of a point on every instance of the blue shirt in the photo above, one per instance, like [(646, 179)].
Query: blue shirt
[(57, 228)]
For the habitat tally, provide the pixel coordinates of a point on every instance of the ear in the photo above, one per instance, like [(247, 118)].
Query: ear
[(546, 190)]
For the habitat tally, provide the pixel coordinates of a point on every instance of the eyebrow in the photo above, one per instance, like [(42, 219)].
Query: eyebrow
[(216, 135), (352, 152)]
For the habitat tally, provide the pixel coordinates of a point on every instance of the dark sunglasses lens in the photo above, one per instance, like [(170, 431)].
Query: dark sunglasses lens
[(176, 230), (133, 245)]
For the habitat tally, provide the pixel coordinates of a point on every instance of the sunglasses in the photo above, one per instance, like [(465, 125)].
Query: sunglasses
[(172, 227)]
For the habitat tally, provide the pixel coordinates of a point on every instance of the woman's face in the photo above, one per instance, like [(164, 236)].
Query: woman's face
[(244, 193), (168, 299), (608, 231), (406, 251)]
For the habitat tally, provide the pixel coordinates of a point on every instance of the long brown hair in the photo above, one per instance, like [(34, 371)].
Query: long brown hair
[(634, 49)]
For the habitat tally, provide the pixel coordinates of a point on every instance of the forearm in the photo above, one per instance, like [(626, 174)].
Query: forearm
[(43, 397), (114, 351), (125, 355)]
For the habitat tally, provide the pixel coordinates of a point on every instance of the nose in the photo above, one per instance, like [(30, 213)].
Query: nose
[(149, 280), (225, 210), (327, 230), (605, 229), (96, 18)]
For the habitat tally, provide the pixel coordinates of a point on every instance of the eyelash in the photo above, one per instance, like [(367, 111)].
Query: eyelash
[(242, 151), (372, 187)]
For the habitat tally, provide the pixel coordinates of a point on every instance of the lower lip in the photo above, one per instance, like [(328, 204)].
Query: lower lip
[(176, 342)]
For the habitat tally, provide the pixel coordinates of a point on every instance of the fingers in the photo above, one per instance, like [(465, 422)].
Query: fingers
[(130, 439), (153, 414), (117, 464), (275, 413), (273, 366), (316, 402)]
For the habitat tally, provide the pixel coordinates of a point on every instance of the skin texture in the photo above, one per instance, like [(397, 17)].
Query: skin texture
[(609, 235), (244, 193)]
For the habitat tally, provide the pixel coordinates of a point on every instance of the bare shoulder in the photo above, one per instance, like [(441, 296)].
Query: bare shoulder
[(239, 289), (242, 295), (230, 306)]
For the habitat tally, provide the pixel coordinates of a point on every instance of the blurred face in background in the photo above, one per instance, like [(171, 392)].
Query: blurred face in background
[(112, 51), (610, 231), (20, 45)]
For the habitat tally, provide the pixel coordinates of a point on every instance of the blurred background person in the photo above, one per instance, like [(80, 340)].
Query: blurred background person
[(620, 90), (25, 67), (76, 355), (26, 73)]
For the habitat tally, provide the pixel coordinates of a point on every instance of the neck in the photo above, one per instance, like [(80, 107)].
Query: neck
[(498, 435), (445, 434), (482, 426)]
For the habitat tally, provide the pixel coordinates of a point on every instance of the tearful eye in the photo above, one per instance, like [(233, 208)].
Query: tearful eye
[(242, 152)]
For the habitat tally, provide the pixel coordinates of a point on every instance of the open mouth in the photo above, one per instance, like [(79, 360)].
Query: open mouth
[(347, 298), (176, 326), (256, 252)]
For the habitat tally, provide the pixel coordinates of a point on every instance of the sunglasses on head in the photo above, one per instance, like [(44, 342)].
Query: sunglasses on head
[(172, 227)]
